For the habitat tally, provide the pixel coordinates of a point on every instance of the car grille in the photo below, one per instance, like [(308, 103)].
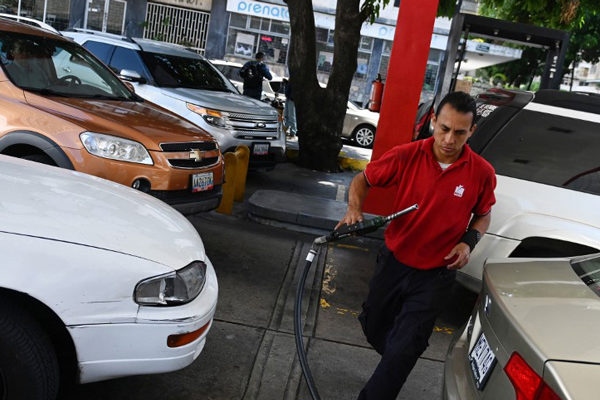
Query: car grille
[(250, 125), (210, 154), (185, 163), (188, 146)]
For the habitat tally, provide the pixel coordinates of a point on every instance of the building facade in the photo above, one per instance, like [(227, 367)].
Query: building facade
[(235, 30)]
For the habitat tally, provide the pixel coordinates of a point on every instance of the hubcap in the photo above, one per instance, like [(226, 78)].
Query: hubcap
[(364, 137)]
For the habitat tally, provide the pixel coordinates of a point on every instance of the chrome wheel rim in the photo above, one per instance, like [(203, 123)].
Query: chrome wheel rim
[(364, 137)]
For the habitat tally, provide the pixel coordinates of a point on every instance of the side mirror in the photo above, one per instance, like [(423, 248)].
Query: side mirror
[(131, 76)]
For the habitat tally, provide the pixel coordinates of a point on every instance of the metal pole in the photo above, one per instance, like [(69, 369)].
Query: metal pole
[(45, 8), (19, 9)]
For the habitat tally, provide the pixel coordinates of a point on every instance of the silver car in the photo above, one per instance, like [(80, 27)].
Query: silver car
[(533, 334), (190, 86)]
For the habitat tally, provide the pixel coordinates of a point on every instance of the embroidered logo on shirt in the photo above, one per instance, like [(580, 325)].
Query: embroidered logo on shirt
[(458, 192)]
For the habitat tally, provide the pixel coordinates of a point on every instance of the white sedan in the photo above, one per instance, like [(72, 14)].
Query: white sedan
[(98, 281)]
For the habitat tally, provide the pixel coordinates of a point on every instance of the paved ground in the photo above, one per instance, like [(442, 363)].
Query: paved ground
[(250, 351)]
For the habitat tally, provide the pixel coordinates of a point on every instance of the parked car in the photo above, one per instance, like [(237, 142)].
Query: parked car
[(543, 147), (28, 21), (98, 281), (533, 334), (187, 84), (360, 125), (59, 105)]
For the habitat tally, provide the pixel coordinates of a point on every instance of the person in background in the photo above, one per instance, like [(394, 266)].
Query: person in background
[(289, 116), (253, 73)]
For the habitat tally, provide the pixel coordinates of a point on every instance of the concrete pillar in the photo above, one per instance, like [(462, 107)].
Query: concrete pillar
[(402, 91), (217, 30)]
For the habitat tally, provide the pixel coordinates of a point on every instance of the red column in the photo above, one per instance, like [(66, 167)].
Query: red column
[(406, 72)]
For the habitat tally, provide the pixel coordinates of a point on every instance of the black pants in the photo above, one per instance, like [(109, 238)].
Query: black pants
[(255, 93), (398, 318)]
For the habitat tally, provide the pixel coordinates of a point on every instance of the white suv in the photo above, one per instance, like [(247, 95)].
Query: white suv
[(190, 86), (98, 281), (544, 147)]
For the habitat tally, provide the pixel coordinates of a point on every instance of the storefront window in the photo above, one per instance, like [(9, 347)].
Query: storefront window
[(57, 11), (254, 23), (238, 20), (258, 34), (366, 43), (280, 27)]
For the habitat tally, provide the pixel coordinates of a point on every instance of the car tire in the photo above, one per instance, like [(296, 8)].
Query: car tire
[(40, 158), (364, 136), (28, 363)]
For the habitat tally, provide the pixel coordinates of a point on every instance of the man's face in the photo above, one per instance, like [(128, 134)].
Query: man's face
[(451, 130)]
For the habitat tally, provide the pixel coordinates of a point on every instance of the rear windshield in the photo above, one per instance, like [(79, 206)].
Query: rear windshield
[(548, 148), (191, 73), (589, 272), (56, 67)]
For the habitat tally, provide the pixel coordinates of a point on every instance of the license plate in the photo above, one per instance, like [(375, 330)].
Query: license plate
[(201, 182), (482, 360), (260, 149)]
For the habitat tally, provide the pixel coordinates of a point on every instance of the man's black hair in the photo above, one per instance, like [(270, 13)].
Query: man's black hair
[(461, 102), (260, 55)]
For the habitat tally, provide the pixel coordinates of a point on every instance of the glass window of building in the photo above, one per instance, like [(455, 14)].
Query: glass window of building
[(258, 34), (238, 20), (57, 11), (366, 44)]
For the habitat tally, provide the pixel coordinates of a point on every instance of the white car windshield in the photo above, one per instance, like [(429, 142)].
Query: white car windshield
[(186, 72), (59, 68)]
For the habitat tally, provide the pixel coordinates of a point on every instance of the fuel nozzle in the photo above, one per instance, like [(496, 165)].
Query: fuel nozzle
[(362, 227)]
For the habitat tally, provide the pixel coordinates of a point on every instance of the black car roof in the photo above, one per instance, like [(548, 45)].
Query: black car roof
[(580, 101)]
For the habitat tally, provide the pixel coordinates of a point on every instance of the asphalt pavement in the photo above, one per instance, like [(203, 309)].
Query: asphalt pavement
[(258, 254)]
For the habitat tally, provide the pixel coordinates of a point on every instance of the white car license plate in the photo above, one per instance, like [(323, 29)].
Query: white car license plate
[(260, 149), (482, 360), (201, 182)]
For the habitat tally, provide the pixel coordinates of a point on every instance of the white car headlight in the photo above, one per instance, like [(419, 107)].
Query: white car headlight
[(212, 117), (172, 289), (115, 148)]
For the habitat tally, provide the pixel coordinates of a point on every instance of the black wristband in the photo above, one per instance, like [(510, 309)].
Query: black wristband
[(471, 237)]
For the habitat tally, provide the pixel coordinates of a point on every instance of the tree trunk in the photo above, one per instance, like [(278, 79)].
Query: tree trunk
[(321, 111)]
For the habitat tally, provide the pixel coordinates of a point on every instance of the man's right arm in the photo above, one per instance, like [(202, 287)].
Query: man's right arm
[(359, 187)]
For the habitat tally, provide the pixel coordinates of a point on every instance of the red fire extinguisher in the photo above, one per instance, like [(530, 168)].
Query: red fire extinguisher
[(376, 94)]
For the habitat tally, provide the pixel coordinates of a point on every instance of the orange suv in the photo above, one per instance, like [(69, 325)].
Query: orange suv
[(59, 105)]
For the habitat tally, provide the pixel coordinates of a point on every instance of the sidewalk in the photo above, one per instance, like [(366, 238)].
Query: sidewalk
[(314, 202)]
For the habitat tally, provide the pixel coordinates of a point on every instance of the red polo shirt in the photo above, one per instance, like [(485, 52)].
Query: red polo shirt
[(446, 199)]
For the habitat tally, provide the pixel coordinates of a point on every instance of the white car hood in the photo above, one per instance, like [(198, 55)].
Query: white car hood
[(221, 101), (53, 203)]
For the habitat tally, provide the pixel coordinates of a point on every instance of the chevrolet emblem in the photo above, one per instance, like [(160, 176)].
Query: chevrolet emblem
[(196, 155)]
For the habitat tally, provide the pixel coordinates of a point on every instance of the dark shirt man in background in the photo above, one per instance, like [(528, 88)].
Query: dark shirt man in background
[(454, 188), (253, 73)]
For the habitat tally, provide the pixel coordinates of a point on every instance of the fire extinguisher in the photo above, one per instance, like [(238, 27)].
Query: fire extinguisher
[(376, 94)]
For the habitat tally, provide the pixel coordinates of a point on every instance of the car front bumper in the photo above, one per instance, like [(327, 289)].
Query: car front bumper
[(169, 184), (107, 351)]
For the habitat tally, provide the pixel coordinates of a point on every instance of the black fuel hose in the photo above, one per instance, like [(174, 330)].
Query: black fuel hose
[(357, 229), (298, 325)]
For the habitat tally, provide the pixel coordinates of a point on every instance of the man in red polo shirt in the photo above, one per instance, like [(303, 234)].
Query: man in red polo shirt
[(454, 188)]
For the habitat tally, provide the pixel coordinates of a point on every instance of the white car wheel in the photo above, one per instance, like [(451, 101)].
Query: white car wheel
[(364, 136)]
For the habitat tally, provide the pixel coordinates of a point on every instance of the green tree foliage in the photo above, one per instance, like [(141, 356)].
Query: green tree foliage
[(581, 18)]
